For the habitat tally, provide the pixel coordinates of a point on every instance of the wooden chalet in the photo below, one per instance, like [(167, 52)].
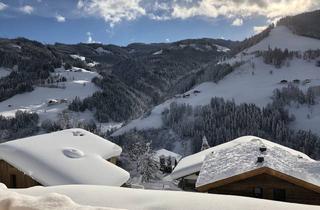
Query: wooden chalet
[(72, 156), (253, 167)]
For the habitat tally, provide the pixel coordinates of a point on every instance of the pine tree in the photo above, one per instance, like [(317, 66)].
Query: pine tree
[(205, 145)]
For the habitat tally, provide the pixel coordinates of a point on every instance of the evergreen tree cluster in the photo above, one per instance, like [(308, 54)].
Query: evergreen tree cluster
[(277, 57), (292, 93), (22, 125), (31, 62), (222, 121)]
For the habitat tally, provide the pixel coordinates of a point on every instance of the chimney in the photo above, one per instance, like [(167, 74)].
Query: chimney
[(260, 159)]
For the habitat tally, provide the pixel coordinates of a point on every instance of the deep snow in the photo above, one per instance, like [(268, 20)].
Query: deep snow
[(138, 199)]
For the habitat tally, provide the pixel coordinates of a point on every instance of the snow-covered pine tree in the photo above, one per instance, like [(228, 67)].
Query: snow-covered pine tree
[(205, 145), (146, 165)]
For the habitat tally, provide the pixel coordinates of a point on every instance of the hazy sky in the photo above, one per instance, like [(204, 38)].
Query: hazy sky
[(125, 21)]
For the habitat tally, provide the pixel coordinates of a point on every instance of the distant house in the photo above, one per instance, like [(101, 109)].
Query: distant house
[(296, 81), (254, 167), (52, 102), (166, 159), (284, 81), (306, 81), (72, 156)]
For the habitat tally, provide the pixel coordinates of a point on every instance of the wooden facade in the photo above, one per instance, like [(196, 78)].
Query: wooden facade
[(13, 178), (266, 183)]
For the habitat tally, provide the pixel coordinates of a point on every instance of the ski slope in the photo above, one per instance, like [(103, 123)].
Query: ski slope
[(78, 84), (248, 84)]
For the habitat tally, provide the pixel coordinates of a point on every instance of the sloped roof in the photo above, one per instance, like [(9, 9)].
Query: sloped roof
[(242, 158), (166, 153), (72, 156), (192, 164)]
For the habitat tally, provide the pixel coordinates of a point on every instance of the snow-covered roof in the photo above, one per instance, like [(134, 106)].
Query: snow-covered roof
[(192, 164), (73, 156), (241, 156), (166, 153)]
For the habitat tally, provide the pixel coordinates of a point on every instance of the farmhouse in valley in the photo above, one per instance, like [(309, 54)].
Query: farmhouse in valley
[(167, 160), (254, 167), (73, 156)]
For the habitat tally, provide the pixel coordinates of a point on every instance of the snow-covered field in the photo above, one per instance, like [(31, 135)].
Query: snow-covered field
[(138, 199), (252, 82), (78, 84)]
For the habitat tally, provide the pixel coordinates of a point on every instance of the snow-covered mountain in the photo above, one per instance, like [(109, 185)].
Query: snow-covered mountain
[(251, 82)]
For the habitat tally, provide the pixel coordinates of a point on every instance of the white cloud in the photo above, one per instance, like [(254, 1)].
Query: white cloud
[(27, 9), (259, 29), (237, 22), (3, 6), (115, 11), (167, 40), (60, 18)]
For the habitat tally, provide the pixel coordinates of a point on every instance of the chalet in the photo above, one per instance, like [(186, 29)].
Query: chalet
[(72, 156), (52, 102), (296, 81), (166, 159), (254, 167), (306, 81), (186, 95)]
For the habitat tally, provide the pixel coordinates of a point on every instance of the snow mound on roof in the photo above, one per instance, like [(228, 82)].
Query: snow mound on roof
[(137, 199), (73, 153), (191, 164), (242, 157), (282, 37), (53, 201), (46, 158)]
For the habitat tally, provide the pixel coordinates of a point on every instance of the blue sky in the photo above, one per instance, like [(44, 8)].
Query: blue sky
[(126, 21)]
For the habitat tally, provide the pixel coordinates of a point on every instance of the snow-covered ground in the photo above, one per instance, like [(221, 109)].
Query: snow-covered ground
[(138, 199), (282, 37), (252, 82), (15, 201), (78, 84)]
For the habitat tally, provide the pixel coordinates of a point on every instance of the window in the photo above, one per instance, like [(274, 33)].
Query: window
[(258, 192), (13, 181), (279, 194)]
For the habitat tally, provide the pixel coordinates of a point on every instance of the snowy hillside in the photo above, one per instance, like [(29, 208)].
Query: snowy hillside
[(252, 82), (136, 199), (78, 84), (282, 37)]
